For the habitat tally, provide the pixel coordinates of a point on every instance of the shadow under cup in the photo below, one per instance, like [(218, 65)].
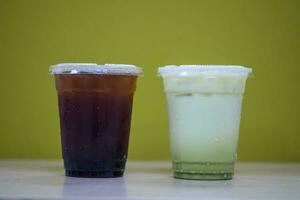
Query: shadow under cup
[(204, 108), (95, 115)]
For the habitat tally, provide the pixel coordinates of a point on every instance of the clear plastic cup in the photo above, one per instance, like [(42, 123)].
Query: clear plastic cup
[(95, 103), (204, 108)]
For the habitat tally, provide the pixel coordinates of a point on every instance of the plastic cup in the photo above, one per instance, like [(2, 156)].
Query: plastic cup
[(95, 103), (204, 108)]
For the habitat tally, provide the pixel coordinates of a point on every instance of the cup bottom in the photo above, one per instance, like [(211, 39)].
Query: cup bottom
[(94, 168), (94, 174), (203, 170), (196, 176)]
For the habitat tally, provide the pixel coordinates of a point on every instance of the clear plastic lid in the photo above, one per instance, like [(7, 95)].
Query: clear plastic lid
[(93, 68), (190, 70)]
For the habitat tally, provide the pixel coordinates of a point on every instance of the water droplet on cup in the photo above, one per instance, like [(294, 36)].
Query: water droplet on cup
[(81, 148), (234, 156), (98, 134)]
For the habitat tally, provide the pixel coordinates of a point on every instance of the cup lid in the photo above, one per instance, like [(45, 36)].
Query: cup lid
[(93, 68), (190, 70)]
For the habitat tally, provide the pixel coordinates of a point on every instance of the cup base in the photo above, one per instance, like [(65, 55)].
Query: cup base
[(203, 170), (195, 176), (94, 174), (95, 168)]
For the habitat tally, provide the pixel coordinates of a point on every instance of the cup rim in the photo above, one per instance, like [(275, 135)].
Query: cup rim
[(94, 68), (203, 69)]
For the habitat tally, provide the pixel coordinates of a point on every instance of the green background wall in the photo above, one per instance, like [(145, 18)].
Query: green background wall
[(261, 34)]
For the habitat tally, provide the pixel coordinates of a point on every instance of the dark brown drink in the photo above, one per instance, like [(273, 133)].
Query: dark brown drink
[(95, 115)]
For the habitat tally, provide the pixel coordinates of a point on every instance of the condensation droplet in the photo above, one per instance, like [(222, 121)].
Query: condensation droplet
[(81, 148), (216, 139), (234, 156), (98, 134)]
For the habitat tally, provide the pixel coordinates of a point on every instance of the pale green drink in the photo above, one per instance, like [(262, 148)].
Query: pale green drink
[(204, 106)]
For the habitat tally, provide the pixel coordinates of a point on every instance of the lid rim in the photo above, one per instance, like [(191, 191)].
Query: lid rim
[(93, 68), (203, 69)]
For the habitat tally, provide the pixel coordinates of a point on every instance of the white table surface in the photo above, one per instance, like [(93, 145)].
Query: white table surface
[(44, 179)]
